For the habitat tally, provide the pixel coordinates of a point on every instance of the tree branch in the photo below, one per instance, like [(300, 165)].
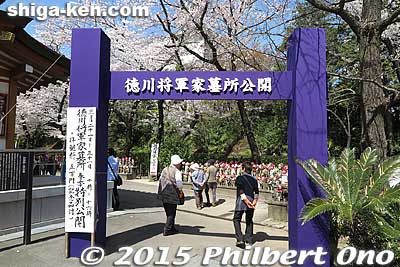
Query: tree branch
[(392, 18), (391, 89), (200, 28), (167, 28), (345, 15), (341, 122)]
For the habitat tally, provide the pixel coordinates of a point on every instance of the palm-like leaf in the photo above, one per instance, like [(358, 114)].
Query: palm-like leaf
[(385, 199), (386, 170), (390, 227), (354, 187), (316, 207), (367, 161), (394, 181), (318, 175), (346, 174)]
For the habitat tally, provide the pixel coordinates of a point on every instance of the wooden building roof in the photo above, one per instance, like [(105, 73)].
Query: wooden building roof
[(25, 58)]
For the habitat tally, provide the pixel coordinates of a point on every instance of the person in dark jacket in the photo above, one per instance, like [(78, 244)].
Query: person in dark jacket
[(246, 201), (169, 186)]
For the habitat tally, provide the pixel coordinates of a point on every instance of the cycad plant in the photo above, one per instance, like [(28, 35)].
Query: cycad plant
[(357, 195)]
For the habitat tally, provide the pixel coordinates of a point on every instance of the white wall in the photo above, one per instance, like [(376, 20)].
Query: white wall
[(47, 207), (3, 90)]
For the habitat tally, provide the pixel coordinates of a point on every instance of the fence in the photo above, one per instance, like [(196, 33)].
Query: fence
[(17, 170)]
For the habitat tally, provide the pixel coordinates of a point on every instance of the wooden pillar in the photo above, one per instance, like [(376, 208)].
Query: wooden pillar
[(10, 119)]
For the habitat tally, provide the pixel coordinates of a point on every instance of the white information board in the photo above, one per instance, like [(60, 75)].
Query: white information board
[(80, 189), (154, 159)]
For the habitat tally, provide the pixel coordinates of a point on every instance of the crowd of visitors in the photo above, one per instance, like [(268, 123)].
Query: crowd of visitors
[(268, 175), (246, 177), (205, 178)]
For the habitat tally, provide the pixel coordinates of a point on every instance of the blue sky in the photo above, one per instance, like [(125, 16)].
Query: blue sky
[(30, 27)]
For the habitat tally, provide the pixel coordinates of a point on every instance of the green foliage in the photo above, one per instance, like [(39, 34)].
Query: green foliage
[(38, 138), (212, 134), (131, 126), (173, 144), (270, 129), (221, 137), (357, 197)]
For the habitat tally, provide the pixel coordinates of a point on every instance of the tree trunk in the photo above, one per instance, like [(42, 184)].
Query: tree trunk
[(372, 96), (389, 132), (228, 149), (160, 132), (28, 138), (248, 130), (334, 236), (195, 120), (62, 129)]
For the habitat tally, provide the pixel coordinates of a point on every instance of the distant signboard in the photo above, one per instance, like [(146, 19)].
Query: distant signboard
[(154, 159), (80, 179)]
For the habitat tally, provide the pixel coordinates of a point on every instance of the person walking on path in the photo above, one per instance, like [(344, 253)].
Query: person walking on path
[(211, 182), (246, 201), (169, 188), (112, 172), (198, 181)]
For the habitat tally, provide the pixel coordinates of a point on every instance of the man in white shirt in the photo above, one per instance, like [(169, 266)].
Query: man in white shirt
[(170, 185)]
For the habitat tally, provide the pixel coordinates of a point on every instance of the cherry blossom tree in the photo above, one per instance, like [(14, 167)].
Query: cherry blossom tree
[(44, 109), (186, 35), (238, 35), (134, 46)]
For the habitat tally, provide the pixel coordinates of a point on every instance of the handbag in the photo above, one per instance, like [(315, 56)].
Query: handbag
[(117, 177), (119, 180), (181, 197)]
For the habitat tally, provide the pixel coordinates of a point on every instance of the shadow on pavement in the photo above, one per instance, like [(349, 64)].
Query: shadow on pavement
[(261, 236), (195, 230), (131, 237), (132, 199), (220, 202)]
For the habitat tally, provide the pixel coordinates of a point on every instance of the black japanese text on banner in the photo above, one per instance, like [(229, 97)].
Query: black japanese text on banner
[(80, 170)]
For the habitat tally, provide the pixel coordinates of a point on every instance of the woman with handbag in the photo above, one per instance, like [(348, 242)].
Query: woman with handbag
[(170, 192), (112, 175)]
